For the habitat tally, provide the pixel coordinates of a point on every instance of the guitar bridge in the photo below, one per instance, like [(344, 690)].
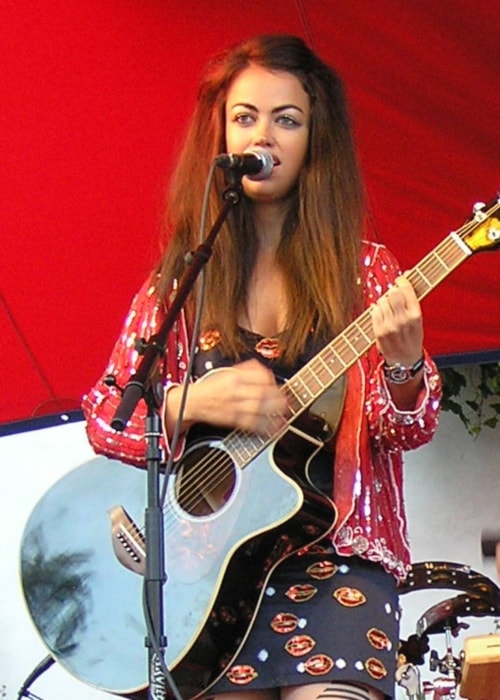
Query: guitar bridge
[(129, 543)]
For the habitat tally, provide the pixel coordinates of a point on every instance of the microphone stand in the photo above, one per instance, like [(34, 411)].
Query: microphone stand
[(40, 668), (141, 385)]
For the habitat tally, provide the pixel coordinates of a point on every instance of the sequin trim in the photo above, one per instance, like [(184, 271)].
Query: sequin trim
[(301, 593), (300, 645), (378, 639), (242, 674), (349, 597), (375, 668), (317, 665), (322, 570), (209, 340), (270, 348), (284, 623)]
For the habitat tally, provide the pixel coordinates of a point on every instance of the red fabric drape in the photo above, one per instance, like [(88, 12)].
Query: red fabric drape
[(94, 99)]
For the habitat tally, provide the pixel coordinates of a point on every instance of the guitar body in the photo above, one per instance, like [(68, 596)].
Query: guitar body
[(82, 568)]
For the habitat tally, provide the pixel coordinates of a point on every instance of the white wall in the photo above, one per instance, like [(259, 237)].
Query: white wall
[(453, 492)]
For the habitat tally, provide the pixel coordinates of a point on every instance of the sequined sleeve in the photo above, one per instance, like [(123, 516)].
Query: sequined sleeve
[(391, 428), (100, 404)]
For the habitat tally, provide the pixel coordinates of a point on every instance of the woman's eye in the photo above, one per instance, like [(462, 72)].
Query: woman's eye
[(287, 120), (243, 118)]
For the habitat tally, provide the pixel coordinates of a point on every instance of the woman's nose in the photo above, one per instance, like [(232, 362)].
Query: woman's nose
[(263, 137)]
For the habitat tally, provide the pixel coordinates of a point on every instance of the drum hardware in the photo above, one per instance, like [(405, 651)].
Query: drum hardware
[(448, 665), (443, 688), (408, 677), (478, 675), (445, 614), (453, 576)]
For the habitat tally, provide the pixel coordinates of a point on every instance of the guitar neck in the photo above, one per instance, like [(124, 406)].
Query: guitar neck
[(312, 380), (346, 349)]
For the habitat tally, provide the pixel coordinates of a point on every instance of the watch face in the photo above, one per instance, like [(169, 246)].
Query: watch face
[(398, 375)]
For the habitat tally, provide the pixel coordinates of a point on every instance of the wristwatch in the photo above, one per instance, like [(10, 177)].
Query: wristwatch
[(400, 374)]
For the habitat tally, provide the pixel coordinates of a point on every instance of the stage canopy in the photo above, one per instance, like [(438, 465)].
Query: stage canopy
[(94, 98)]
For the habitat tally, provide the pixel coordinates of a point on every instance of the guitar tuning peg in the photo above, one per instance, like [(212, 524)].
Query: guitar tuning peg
[(478, 212)]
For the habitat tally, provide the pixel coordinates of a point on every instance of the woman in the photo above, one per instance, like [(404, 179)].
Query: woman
[(289, 271)]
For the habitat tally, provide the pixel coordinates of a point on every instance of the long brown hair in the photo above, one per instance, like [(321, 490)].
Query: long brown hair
[(319, 251)]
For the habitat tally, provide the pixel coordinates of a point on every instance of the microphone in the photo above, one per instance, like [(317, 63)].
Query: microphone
[(489, 541), (256, 163)]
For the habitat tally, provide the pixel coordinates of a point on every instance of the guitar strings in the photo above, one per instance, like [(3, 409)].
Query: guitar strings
[(214, 469)]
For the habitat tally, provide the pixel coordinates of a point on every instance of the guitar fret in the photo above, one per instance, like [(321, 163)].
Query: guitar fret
[(348, 352), (243, 446), (423, 279), (429, 277), (441, 269), (300, 390), (368, 339), (440, 259), (333, 359), (313, 384), (321, 372), (294, 405), (325, 364), (463, 246), (359, 339), (351, 346), (332, 365)]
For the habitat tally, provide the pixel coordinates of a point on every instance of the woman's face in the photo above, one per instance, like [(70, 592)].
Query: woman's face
[(269, 109)]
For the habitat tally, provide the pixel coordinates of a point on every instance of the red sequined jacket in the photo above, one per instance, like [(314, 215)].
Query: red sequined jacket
[(371, 437)]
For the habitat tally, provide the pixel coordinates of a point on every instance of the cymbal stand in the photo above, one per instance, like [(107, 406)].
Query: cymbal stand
[(444, 688)]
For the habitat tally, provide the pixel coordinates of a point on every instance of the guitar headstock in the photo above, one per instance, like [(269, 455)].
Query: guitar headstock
[(482, 231)]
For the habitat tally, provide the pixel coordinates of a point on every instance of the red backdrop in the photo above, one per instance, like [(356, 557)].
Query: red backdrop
[(94, 98)]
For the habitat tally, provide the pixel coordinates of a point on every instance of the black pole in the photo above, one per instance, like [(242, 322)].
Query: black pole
[(141, 385), (153, 349), (155, 576), (40, 668)]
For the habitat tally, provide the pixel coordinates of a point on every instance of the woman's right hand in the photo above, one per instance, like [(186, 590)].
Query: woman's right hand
[(244, 396)]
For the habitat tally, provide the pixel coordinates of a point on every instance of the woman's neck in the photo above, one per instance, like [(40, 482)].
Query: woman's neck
[(269, 218)]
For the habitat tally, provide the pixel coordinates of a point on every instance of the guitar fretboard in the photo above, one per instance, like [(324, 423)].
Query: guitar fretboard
[(334, 360)]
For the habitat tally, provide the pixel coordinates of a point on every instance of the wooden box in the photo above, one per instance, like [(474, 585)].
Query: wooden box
[(481, 668)]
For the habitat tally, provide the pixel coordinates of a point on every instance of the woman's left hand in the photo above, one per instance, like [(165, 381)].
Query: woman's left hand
[(397, 324)]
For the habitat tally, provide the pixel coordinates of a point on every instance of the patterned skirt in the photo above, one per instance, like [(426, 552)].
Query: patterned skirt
[(323, 618)]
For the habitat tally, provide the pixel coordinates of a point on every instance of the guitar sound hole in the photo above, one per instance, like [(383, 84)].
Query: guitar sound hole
[(205, 481)]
